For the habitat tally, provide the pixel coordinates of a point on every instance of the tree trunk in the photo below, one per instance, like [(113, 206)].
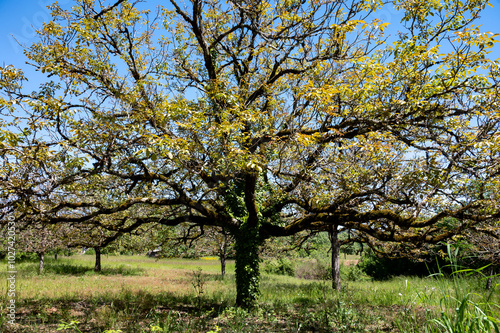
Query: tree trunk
[(490, 279), (223, 265), (97, 267), (223, 255), (55, 256), (334, 241), (41, 256), (247, 267)]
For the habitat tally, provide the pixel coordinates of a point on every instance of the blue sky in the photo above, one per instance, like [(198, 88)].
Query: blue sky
[(17, 21), (19, 18)]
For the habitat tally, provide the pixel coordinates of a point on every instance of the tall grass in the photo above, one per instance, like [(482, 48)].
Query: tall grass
[(461, 308), (454, 302)]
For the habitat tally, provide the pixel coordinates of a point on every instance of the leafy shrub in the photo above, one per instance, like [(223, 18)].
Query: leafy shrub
[(322, 270), (310, 270), (352, 273), (385, 268), (279, 266), (22, 256), (90, 251)]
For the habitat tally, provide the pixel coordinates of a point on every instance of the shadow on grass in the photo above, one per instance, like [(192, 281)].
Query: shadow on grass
[(68, 269), (293, 288), (132, 311), (141, 311), (78, 270)]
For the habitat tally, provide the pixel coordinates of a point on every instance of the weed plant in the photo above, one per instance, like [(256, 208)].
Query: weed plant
[(279, 266)]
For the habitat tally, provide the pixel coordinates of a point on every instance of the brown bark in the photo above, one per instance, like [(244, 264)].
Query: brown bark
[(335, 244), (97, 267), (223, 265)]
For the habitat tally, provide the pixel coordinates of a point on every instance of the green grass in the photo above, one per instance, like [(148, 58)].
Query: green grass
[(140, 294)]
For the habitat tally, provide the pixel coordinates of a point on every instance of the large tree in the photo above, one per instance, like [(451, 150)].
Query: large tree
[(262, 118)]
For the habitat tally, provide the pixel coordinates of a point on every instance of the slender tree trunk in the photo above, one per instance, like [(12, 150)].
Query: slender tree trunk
[(223, 255), (55, 256), (97, 267), (490, 279), (223, 265), (334, 241), (41, 257)]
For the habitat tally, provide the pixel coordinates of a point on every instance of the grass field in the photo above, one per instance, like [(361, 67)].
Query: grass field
[(140, 294)]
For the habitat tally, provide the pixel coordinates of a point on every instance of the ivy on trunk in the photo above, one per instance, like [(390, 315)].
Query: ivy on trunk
[(247, 266)]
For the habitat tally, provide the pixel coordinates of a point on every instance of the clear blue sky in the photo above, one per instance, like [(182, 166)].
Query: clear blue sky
[(18, 17), (17, 21)]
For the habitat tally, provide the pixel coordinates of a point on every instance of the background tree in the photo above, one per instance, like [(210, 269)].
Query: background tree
[(220, 243), (40, 239), (190, 241), (262, 118)]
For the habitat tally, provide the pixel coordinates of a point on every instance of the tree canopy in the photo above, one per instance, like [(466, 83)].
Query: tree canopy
[(263, 118)]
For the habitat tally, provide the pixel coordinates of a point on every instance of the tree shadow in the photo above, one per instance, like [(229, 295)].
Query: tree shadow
[(78, 270)]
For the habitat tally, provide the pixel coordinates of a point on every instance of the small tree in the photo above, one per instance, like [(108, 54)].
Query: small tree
[(221, 243), (40, 239)]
